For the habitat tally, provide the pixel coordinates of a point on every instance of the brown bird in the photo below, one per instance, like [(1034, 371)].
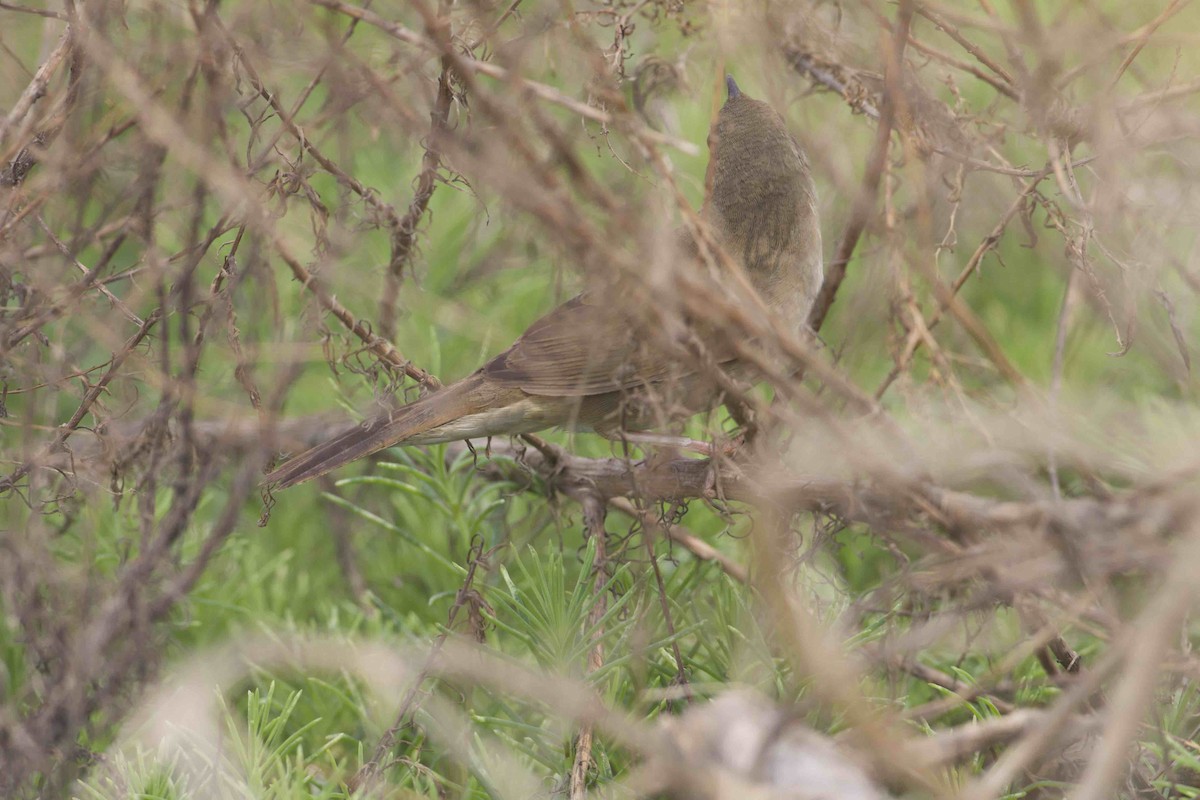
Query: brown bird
[(582, 365)]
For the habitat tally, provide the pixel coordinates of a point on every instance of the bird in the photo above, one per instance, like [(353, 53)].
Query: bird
[(584, 365)]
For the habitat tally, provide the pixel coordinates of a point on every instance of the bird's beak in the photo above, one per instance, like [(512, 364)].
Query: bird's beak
[(732, 87)]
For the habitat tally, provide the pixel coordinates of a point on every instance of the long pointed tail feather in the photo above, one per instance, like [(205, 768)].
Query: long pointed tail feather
[(374, 435)]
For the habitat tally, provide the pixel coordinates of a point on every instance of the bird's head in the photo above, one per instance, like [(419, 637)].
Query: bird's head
[(751, 154), (762, 201)]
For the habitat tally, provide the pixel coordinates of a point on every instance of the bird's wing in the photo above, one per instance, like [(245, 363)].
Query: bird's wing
[(580, 348)]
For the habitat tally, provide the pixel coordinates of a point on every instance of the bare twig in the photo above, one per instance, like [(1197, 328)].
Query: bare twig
[(865, 199), (594, 513)]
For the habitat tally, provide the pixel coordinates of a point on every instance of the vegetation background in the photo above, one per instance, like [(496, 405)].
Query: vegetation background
[(963, 546)]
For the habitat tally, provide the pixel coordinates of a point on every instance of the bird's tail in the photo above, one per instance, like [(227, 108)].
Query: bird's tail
[(385, 430)]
